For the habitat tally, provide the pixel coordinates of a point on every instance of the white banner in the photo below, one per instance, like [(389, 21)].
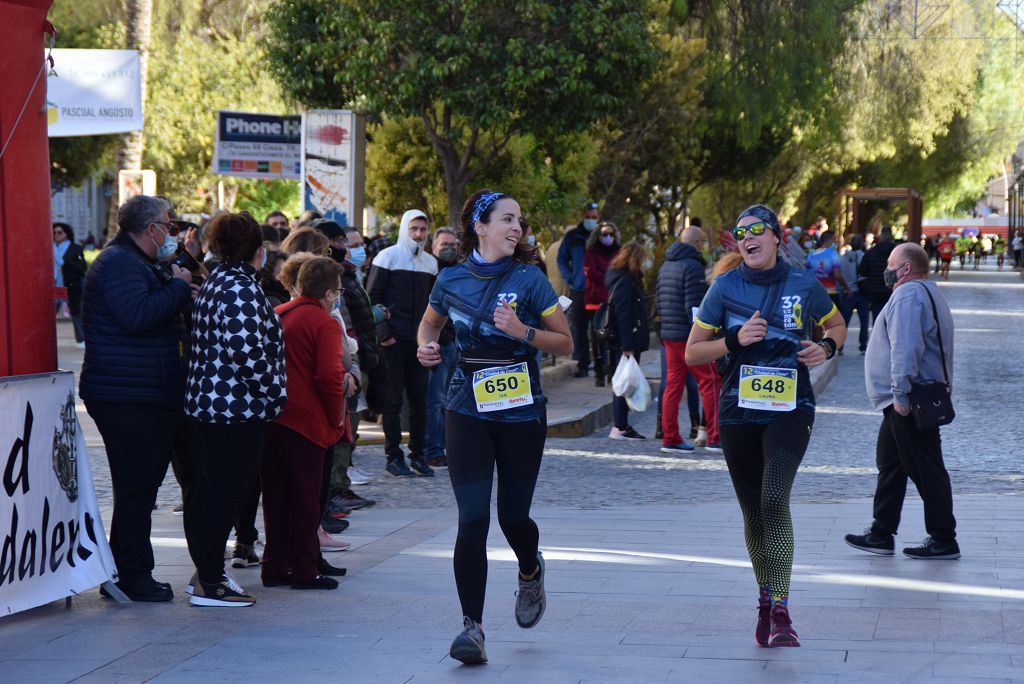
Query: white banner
[(332, 165), (264, 146), (53, 540), (93, 92)]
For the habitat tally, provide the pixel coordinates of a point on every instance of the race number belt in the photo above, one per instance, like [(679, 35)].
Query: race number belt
[(767, 389), (502, 387)]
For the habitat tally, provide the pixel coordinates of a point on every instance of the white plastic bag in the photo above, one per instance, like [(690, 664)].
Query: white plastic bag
[(627, 377), (641, 397)]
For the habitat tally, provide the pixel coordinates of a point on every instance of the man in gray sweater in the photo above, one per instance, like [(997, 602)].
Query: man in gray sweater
[(904, 351)]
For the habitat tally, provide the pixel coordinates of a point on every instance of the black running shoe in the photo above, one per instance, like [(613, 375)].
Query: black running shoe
[(353, 501), (244, 556), (468, 647), (318, 582), (333, 525), (932, 549), (882, 544), (398, 469), (420, 467)]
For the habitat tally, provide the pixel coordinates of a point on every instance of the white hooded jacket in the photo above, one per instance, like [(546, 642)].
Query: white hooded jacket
[(401, 278)]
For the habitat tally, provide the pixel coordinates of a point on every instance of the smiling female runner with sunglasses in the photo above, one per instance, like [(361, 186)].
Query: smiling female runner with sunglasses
[(503, 310), (768, 312)]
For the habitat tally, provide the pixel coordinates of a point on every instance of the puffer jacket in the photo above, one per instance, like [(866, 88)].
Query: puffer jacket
[(135, 332), (629, 311), (681, 288)]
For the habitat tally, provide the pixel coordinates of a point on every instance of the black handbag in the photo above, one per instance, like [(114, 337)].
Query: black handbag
[(601, 324), (931, 403)]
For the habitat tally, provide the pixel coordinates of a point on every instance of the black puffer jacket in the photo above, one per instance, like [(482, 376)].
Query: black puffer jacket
[(629, 311), (361, 313), (681, 288), (135, 336)]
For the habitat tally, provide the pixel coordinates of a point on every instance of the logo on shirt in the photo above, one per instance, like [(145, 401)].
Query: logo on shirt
[(509, 297), (792, 313)]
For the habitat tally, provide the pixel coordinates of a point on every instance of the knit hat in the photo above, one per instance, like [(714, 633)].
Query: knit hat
[(765, 214)]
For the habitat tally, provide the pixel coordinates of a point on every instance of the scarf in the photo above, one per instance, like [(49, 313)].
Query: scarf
[(775, 274), (59, 250), (481, 268)]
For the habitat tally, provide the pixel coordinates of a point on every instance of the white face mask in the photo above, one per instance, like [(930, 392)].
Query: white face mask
[(167, 249)]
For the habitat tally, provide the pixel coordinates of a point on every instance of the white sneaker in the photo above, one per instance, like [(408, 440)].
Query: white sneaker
[(702, 437), (628, 433), (357, 476), (80, 345)]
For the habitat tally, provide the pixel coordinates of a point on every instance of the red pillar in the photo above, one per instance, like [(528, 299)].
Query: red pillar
[(28, 334)]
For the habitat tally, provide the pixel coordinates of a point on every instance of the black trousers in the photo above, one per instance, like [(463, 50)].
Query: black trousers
[(578, 326), (229, 458), (904, 452), (245, 523), (405, 374), (475, 448), (138, 439)]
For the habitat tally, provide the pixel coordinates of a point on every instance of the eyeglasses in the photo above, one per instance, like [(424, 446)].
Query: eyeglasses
[(171, 228), (740, 232), (607, 234)]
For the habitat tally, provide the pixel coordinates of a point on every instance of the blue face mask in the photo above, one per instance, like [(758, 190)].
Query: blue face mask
[(531, 240), (167, 249), (590, 224), (263, 262), (357, 255)]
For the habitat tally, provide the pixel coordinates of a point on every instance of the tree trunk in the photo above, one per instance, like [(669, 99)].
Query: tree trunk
[(138, 20)]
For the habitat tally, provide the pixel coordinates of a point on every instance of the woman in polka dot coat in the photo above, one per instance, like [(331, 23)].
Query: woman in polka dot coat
[(236, 385)]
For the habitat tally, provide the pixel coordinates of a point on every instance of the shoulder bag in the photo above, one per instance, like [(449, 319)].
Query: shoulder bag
[(931, 403)]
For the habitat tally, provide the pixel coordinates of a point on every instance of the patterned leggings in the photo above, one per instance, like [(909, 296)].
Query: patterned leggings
[(763, 460)]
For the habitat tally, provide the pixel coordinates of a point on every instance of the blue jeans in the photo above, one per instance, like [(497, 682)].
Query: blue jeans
[(437, 390), (856, 301)]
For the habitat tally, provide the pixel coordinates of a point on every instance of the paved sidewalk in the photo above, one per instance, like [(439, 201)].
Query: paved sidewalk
[(660, 593)]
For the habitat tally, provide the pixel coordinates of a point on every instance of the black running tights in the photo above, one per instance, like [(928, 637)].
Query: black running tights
[(475, 446), (763, 460)]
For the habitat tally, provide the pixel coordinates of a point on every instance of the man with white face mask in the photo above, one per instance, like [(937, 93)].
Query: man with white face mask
[(401, 278), (133, 376), (571, 256)]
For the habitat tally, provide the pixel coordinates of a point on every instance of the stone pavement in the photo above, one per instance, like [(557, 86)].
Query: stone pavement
[(648, 577)]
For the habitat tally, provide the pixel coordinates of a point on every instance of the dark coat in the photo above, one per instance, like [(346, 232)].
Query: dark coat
[(363, 324), (571, 257), (872, 266), (681, 287), (73, 272), (135, 332), (629, 310)]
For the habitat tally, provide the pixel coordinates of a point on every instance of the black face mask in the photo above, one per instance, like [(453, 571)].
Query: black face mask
[(448, 255), (891, 277), (338, 255)]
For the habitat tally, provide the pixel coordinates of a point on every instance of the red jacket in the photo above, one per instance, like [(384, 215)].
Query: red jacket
[(595, 266), (316, 379)]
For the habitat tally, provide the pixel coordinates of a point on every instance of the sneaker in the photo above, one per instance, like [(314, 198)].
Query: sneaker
[(468, 647), (675, 448), (701, 439), (715, 447), (420, 467), (932, 549), (353, 501), (337, 508), (762, 632), (782, 632), (318, 582), (358, 477), (142, 590), (225, 594), (333, 525), (694, 431), (398, 469), (628, 433), (438, 462), (329, 544), (193, 581), (244, 556), (530, 599), (882, 544), (599, 381)]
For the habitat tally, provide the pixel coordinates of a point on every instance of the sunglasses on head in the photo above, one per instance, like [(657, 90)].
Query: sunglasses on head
[(740, 232)]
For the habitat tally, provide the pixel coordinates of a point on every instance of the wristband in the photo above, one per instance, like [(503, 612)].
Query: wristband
[(829, 345), (732, 340)]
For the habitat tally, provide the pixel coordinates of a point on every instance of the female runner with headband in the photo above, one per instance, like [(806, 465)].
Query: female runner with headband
[(504, 310)]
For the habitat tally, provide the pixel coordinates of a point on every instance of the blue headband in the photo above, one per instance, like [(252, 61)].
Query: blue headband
[(765, 214), (484, 203)]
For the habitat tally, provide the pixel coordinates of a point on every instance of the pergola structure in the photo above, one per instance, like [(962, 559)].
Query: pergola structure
[(853, 221)]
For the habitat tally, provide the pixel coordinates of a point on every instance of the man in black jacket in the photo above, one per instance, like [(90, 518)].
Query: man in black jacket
[(872, 266), (681, 287), (133, 376)]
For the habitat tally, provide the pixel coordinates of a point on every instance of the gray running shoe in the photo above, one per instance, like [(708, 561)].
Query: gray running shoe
[(468, 647), (530, 599)]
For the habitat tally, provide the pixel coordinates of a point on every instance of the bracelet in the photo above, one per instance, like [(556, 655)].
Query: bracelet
[(829, 345), (732, 340)]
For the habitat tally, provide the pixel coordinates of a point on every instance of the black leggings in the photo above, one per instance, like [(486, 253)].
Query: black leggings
[(474, 447), (763, 460)]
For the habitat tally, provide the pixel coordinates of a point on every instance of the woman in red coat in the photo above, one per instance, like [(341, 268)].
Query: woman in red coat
[(601, 249), (312, 421)]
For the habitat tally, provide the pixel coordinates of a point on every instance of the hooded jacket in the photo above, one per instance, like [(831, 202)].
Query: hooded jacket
[(401, 278), (571, 255), (681, 287)]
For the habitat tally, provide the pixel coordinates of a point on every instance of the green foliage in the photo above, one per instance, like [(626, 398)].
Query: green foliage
[(260, 197), (477, 72)]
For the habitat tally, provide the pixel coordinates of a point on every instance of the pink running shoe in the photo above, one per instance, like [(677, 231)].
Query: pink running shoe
[(329, 544), (783, 633), (764, 622)]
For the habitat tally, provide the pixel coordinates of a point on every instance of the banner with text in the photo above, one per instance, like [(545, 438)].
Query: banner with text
[(333, 156), (53, 540), (258, 146), (93, 92)]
